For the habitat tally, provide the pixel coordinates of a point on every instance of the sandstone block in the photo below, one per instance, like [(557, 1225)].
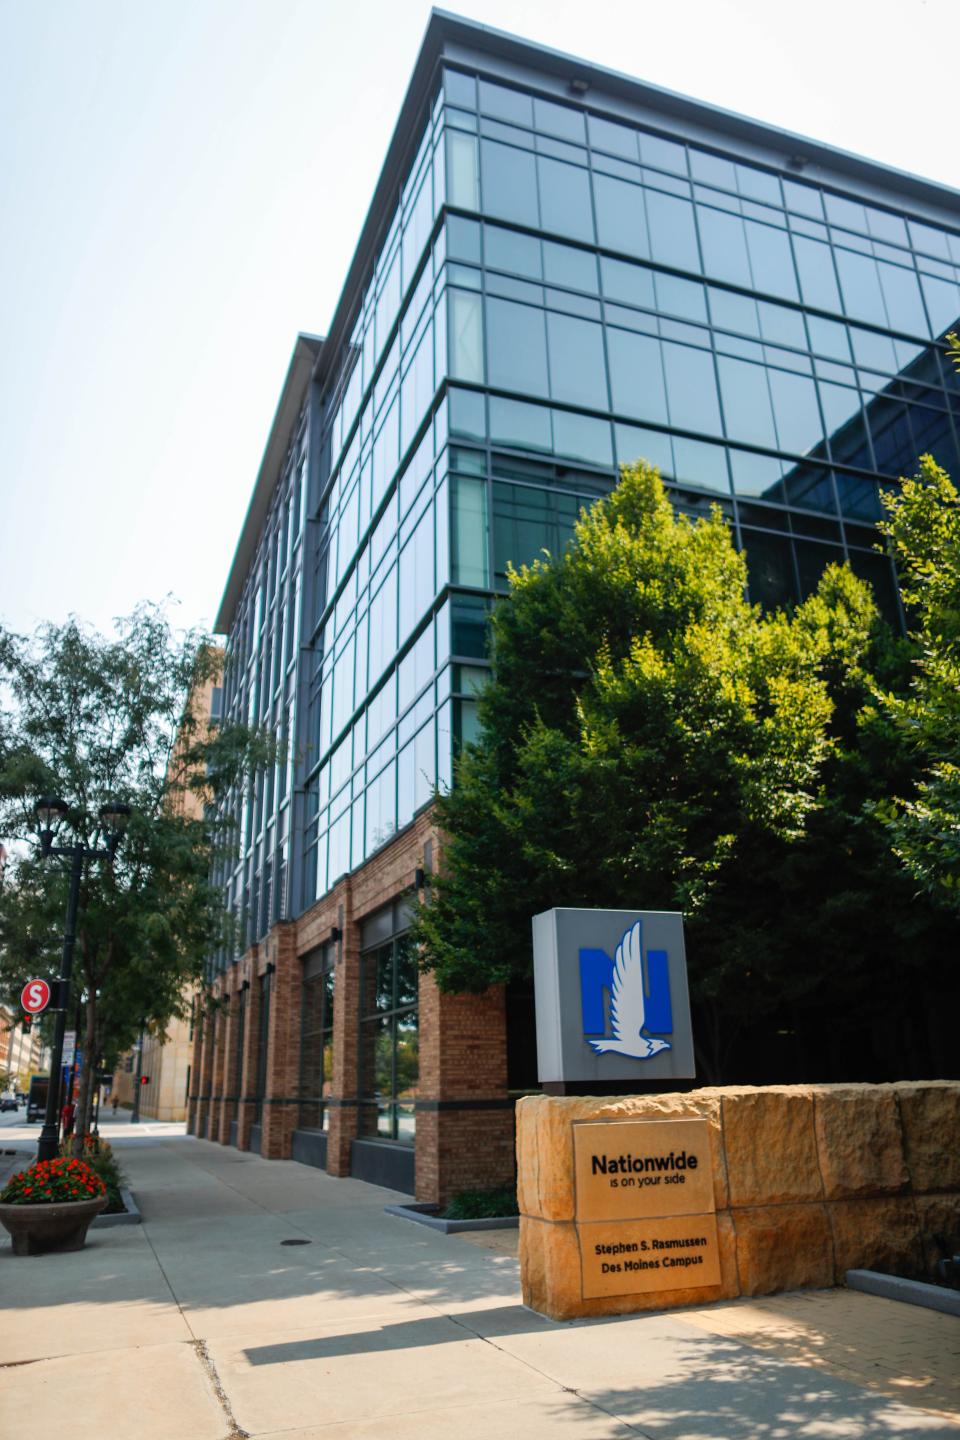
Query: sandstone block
[(771, 1148), (859, 1141), (550, 1275), (939, 1217), (881, 1234), (930, 1114), (783, 1247), (545, 1167)]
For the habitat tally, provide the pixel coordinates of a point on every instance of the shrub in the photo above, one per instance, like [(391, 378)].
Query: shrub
[(482, 1204), (99, 1155), (51, 1182)]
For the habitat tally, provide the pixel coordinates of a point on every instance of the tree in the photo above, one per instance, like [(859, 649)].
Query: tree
[(650, 739), (923, 527), (91, 718)]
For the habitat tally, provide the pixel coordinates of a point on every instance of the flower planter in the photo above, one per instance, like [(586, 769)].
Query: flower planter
[(36, 1229)]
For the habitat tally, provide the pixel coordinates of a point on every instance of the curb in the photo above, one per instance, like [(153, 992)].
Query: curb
[(910, 1292), (425, 1215), (131, 1216)]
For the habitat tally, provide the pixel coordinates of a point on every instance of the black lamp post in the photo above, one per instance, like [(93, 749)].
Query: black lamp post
[(138, 1083), (51, 812)]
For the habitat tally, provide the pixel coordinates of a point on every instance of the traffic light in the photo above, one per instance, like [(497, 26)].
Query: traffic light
[(144, 1079), (26, 1022)]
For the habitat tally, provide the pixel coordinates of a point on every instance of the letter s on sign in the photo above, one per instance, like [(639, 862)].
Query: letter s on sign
[(35, 992)]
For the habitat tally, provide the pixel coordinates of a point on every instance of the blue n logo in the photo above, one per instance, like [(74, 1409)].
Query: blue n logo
[(654, 1011)]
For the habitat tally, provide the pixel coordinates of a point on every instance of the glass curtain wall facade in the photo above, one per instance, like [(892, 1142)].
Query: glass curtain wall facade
[(559, 292)]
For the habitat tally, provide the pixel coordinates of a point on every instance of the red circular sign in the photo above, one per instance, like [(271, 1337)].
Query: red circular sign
[(35, 996)]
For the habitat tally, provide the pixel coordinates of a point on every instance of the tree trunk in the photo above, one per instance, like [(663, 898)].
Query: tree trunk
[(85, 1098)]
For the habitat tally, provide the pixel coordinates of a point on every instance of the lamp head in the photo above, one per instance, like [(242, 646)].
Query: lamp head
[(51, 812), (114, 817)]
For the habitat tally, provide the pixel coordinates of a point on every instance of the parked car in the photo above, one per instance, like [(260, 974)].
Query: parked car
[(8, 1101)]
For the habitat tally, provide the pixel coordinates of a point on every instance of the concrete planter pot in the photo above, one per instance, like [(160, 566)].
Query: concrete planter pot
[(37, 1229)]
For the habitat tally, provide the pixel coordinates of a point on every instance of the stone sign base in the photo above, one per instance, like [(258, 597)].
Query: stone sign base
[(808, 1182)]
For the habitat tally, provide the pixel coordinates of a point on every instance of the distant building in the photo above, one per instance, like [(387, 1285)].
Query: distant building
[(562, 269)]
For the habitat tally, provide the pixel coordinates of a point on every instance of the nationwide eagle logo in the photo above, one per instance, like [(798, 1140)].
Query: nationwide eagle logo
[(632, 1009)]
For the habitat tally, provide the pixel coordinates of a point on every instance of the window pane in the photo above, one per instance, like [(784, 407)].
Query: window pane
[(518, 347), (799, 427), (673, 235), (746, 402), (462, 187), (901, 291), (565, 199), (508, 250), (615, 139), (815, 265), (558, 120), (691, 389), (633, 284), (771, 260), (511, 105), (522, 426), (563, 265), (769, 569), (724, 246), (860, 283), (636, 376), (509, 183), (465, 330), (621, 219), (578, 371), (469, 557), (582, 438)]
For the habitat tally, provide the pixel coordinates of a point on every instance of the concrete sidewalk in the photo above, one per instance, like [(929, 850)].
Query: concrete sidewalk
[(201, 1323)]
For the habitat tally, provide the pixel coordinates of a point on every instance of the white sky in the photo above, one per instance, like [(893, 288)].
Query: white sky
[(182, 185)]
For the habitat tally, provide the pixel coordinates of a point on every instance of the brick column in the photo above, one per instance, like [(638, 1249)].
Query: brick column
[(231, 1076), (219, 1052), (281, 1101), (206, 1071), (465, 1124), (248, 1068), (344, 1113), (196, 1066)]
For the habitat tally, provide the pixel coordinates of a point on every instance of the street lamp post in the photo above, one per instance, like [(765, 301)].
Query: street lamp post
[(51, 812), (138, 1085)]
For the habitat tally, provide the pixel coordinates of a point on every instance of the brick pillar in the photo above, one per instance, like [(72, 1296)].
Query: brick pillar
[(281, 1101), (196, 1066), (344, 1114), (231, 1075), (248, 1068), (463, 1058), (206, 1071), (219, 1052)]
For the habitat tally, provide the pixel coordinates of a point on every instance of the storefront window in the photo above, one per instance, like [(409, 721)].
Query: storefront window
[(316, 1038), (389, 1042)]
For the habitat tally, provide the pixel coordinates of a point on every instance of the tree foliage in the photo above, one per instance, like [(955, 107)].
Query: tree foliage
[(923, 527), (649, 739), (92, 718)]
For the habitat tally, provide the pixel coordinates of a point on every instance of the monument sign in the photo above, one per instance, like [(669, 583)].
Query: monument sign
[(645, 1211)]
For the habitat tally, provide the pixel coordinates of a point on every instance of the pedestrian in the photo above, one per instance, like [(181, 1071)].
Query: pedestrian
[(115, 1101), (67, 1115)]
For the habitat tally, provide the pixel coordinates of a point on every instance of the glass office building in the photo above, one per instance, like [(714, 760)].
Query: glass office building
[(562, 270)]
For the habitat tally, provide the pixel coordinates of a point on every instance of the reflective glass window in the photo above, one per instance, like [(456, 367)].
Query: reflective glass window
[(460, 89), (797, 414), (469, 532), (465, 335), (509, 183), (636, 376), (615, 139), (506, 104), (580, 437), (862, 296), (673, 235), (884, 226), (724, 246), (802, 199), (712, 169), (812, 560), (698, 463), (653, 446), (843, 418), (809, 487), (621, 219), (632, 284), (462, 172), (747, 409), (928, 240), (848, 213), (527, 521), (578, 371), (769, 569), (463, 239), (771, 260), (818, 283), (565, 265), (691, 388), (565, 199), (681, 297), (664, 154), (901, 292), (518, 347), (558, 120), (520, 425), (509, 250), (828, 337), (943, 303), (758, 184)]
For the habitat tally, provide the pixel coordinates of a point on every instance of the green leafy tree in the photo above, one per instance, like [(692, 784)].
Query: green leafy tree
[(923, 527), (652, 739), (91, 718)]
